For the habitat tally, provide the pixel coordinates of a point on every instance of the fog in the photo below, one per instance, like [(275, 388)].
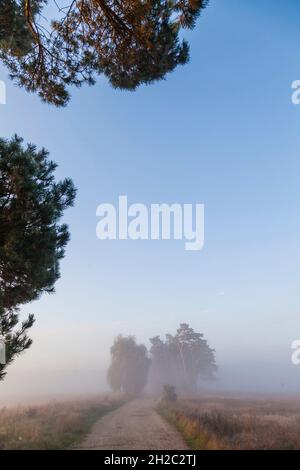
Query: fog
[(69, 361)]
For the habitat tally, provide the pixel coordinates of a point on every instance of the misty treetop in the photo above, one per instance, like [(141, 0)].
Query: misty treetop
[(129, 366), (32, 239), (181, 360), (131, 42)]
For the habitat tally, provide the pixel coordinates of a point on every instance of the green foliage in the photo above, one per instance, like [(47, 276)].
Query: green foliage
[(32, 242), (15, 36), (131, 42), (128, 371)]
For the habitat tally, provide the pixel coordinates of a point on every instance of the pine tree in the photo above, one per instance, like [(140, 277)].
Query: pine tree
[(181, 360), (15, 36), (131, 42), (32, 242)]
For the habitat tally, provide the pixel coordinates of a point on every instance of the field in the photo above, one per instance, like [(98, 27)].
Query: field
[(206, 423), (236, 423), (52, 426)]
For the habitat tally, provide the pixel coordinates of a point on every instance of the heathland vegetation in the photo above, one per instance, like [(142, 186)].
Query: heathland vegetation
[(235, 423), (57, 425)]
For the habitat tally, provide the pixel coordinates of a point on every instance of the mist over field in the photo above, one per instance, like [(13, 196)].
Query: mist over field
[(72, 360)]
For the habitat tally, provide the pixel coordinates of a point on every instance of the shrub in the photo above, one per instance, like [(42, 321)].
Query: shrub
[(169, 393)]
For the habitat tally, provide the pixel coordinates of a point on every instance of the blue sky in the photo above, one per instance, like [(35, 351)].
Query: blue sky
[(220, 131)]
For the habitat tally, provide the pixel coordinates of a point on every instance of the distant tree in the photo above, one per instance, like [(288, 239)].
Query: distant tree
[(181, 360), (163, 364), (130, 41), (128, 371), (32, 242)]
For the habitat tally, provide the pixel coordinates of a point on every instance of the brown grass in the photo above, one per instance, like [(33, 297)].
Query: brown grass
[(52, 426), (236, 423)]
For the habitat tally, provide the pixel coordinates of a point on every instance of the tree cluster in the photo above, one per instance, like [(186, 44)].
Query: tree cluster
[(180, 361)]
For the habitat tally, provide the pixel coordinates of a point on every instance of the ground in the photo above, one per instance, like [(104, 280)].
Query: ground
[(135, 426)]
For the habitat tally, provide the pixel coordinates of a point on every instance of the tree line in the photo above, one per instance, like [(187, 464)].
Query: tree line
[(181, 360)]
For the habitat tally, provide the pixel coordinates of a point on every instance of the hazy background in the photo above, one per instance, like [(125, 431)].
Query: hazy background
[(220, 131)]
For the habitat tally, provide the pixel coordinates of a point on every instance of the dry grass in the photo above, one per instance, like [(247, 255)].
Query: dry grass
[(52, 426), (236, 423)]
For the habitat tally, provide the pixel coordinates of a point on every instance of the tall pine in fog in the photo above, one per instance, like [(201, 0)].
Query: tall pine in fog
[(32, 241), (181, 360)]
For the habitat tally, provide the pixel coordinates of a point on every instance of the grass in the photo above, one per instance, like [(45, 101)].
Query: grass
[(53, 426), (211, 424)]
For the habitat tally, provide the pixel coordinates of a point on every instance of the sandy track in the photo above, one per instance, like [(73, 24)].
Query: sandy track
[(134, 426)]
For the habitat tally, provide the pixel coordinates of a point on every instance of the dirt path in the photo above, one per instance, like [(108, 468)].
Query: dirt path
[(134, 426)]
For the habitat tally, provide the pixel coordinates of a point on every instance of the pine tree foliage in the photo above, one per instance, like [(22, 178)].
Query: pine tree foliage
[(131, 42), (15, 335), (32, 241), (15, 36)]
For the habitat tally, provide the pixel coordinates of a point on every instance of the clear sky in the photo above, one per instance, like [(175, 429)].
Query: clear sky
[(221, 131)]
